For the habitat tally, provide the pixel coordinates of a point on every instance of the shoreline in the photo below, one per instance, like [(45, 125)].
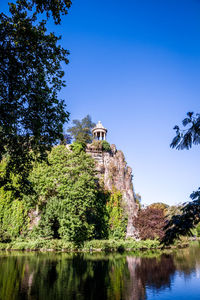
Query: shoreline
[(93, 246)]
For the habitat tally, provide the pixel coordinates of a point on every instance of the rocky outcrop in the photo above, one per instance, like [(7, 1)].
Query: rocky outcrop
[(113, 170), (34, 218)]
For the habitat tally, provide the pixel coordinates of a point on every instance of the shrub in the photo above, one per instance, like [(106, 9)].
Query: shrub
[(77, 147), (97, 145), (101, 145), (105, 146), (150, 223)]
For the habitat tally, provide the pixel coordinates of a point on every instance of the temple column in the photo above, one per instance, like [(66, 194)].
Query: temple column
[(99, 132)]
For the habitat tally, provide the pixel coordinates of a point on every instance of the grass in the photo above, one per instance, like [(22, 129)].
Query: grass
[(88, 246)]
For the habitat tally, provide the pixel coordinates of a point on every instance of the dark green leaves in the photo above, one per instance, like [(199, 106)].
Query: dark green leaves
[(54, 7), (183, 223), (31, 113), (191, 135), (190, 216)]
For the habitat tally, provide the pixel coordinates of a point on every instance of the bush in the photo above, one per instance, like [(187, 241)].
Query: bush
[(150, 223), (97, 145), (77, 147), (101, 145), (88, 246), (105, 146)]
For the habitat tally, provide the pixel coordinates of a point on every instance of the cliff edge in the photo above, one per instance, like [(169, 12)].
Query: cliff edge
[(113, 170)]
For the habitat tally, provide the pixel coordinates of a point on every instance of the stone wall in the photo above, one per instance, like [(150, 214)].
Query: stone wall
[(113, 169)]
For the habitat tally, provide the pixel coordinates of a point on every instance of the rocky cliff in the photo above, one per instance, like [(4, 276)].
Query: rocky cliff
[(113, 170)]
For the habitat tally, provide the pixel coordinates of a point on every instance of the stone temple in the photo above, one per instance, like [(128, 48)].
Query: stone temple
[(99, 132)]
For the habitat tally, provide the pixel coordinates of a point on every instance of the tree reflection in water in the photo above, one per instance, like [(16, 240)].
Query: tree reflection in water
[(73, 276)]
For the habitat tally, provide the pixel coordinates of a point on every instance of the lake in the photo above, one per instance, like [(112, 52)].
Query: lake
[(130, 276)]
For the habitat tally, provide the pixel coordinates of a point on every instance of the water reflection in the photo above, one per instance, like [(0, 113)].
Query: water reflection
[(72, 276)]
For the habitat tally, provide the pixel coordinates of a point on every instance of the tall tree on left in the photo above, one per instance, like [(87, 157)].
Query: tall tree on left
[(31, 113)]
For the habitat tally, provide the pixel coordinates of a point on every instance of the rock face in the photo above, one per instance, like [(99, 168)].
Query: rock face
[(113, 170), (34, 217)]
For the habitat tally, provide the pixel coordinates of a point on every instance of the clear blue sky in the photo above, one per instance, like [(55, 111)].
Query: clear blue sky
[(135, 65)]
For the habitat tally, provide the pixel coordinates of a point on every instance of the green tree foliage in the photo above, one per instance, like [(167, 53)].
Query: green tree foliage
[(105, 146), (72, 205), (54, 7), (77, 147), (31, 113), (13, 211), (159, 205), (182, 224), (117, 217), (173, 210), (150, 223), (14, 220), (67, 195), (101, 145), (81, 131), (189, 136), (168, 211)]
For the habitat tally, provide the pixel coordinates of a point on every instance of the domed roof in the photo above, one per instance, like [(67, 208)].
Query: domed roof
[(99, 126)]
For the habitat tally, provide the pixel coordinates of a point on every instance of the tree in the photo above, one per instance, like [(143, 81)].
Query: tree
[(68, 197), (54, 7), (181, 224), (150, 223), (185, 138), (31, 113), (159, 205), (82, 130), (173, 210)]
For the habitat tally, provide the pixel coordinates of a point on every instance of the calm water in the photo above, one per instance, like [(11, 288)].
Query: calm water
[(98, 276)]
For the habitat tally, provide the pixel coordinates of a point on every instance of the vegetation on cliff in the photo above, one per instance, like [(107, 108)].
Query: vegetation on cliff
[(117, 216), (69, 203), (67, 200)]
